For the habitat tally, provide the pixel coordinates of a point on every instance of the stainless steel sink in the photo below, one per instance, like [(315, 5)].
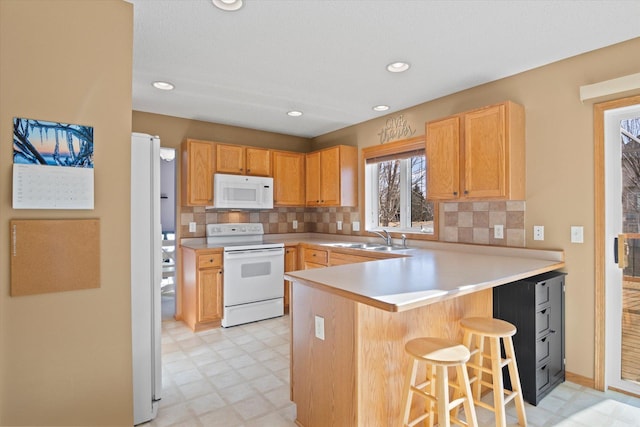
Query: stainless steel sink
[(367, 246)]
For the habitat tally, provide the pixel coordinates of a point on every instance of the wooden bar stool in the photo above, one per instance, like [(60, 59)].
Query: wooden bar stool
[(439, 354), (476, 330)]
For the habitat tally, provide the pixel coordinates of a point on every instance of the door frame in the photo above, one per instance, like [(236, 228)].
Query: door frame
[(600, 234)]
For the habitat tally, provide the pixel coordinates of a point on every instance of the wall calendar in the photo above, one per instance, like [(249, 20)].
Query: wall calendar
[(52, 165)]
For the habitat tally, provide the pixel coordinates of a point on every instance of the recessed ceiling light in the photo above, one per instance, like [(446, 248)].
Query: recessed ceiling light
[(398, 67), (227, 5), (381, 108), (294, 113), (163, 85)]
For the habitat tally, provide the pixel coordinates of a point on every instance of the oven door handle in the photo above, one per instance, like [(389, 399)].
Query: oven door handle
[(251, 253)]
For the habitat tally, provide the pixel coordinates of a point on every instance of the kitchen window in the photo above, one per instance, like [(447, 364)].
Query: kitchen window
[(396, 188)]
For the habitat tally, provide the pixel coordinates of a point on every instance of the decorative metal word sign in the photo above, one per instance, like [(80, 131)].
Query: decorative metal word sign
[(395, 128)]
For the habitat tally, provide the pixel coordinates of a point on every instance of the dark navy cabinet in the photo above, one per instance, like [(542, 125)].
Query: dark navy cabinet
[(536, 307)]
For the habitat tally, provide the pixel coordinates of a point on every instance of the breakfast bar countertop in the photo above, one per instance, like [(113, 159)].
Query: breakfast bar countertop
[(428, 274)]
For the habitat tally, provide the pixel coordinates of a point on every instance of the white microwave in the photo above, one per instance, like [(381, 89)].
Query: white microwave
[(242, 192)]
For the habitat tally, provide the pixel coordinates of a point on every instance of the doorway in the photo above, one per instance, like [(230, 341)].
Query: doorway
[(619, 293), (168, 221)]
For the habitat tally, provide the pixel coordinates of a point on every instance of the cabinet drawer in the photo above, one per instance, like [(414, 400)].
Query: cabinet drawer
[(542, 294), (543, 350), (315, 256), (542, 378), (543, 322), (209, 260)]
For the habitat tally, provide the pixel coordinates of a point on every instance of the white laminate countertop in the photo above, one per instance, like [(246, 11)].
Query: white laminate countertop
[(429, 272)]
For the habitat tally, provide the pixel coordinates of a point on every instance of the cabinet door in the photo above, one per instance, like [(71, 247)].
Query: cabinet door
[(290, 264), (230, 159), (288, 179), (258, 161), (210, 294), (485, 153), (330, 177), (312, 174), (197, 173), (443, 159)]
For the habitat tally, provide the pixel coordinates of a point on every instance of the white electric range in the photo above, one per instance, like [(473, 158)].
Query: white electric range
[(253, 279)]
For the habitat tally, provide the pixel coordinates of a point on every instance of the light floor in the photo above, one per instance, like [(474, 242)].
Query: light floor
[(240, 377)]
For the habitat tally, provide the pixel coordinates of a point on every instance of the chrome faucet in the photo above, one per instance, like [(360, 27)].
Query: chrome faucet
[(387, 238)]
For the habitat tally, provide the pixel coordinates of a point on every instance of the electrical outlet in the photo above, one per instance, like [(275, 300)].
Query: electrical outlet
[(192, 227), (577, 234), (355, 226), (498, 231), (339, 225), (538, 232), (295, 224), (320, 327)]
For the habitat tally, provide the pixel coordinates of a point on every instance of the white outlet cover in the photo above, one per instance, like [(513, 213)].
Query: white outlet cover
[(498, 231), (538, 232), (320, 327), (192, 227), (295, 224), (355, 226), (339, 225)]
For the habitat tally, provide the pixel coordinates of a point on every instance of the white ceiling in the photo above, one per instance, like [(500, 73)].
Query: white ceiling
[(327, 58)]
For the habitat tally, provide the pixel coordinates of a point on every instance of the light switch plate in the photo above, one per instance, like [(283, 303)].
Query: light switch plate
[(320, 327), (577, 234), (355, 226), (339, 225), (192, 227)]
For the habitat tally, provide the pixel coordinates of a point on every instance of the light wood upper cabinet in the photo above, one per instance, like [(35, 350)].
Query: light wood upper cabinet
[(258, 161), (288, 178), (242, 160), (197, 173), (332, 177), (479, 154)]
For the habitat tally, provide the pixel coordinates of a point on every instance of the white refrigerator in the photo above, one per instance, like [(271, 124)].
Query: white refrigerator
[(146, 275)]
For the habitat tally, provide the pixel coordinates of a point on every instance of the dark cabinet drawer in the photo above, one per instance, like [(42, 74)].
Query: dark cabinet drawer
[(543, 322), (543, 351), (542, 294), (542, 378)]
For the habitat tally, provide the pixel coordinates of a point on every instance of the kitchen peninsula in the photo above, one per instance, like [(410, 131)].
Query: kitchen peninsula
[(350, 323)]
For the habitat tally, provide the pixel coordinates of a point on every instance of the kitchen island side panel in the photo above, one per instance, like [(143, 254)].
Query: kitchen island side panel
[(355, 376), (323, 371), (383, 363)]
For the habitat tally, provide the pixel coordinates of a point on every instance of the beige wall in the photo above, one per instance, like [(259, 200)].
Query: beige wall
[(173, 130), (560, 165), (65, 358)]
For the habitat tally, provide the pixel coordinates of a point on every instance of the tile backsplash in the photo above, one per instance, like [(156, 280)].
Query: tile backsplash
[(474, 222), (462, 222), (277, 220)]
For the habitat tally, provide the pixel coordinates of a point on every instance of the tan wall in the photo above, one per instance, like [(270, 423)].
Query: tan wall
[(560, 165), (65, 358), (173, 130)]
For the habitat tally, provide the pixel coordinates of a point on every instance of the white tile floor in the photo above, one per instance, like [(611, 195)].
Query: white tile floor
[(239, 377)]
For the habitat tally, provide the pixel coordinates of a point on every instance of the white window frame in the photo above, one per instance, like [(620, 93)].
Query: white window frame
[(371, 200)]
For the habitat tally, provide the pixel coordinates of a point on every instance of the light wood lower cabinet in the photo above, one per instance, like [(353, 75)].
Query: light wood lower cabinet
[(339, 258), (290, 264), (202, 288), (315, 258)]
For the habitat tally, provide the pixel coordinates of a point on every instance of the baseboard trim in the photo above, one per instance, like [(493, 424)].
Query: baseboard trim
[(580, 380)]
